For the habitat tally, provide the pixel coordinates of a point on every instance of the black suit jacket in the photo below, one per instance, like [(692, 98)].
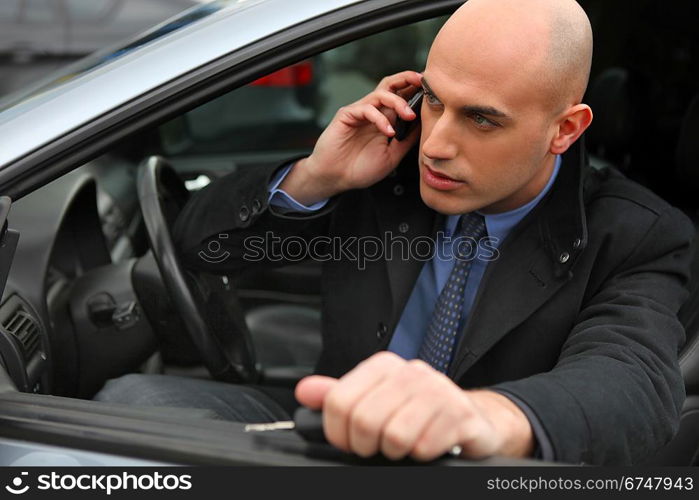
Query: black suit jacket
[(577, 316)]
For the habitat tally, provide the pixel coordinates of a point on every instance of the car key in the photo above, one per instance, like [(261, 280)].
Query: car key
[(309, 425)]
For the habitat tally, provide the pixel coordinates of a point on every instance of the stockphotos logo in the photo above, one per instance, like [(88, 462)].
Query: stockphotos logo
[(17, 487), (106, 483)]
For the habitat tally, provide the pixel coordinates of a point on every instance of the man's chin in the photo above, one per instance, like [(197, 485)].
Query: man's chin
[(447, 203)]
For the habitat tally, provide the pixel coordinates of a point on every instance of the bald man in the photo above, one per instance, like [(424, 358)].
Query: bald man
[(557, 337)]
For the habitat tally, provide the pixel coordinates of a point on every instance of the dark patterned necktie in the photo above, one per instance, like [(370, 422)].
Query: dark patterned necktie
[(438, 344)]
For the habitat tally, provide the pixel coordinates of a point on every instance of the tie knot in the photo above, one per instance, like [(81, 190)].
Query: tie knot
[(471, 225)]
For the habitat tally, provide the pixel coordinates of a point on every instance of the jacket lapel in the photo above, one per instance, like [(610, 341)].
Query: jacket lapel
[(511, 290)]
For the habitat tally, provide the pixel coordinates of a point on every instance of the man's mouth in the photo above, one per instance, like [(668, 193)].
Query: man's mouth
[(438, 180)]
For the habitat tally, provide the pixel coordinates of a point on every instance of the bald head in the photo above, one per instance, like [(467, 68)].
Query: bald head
[(546, 45), (570, 47)]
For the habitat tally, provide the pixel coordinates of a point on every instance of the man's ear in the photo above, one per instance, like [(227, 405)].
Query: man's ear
[(571, 126)]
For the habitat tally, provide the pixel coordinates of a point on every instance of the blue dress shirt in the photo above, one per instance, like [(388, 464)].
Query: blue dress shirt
[(411, 328)]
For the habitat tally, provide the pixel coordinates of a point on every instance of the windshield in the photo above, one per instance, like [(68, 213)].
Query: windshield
[(100, 58)]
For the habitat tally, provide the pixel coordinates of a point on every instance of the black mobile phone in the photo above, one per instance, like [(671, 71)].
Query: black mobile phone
[(403, 127)]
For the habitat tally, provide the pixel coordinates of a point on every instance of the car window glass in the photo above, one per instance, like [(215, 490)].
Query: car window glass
[(9, 9), (79, 10), (39, 11), (288, 109)]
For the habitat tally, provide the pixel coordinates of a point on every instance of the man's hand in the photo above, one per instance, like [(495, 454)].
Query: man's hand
[(354, 150), (406, 408)]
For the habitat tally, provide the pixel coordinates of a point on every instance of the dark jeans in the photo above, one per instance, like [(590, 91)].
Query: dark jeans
[(239, 403)]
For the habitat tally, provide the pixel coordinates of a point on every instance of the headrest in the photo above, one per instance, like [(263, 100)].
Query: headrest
[(687, 154), (611, 131)]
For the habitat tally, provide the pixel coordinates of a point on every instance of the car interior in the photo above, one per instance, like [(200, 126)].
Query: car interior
[(85, 301)]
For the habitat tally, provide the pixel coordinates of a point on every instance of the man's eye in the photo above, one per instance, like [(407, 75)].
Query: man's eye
[(432, 100), (482, 122)]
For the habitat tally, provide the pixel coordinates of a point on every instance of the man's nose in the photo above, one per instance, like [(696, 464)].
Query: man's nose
[(440, 143)]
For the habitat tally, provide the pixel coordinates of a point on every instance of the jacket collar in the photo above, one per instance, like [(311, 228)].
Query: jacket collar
[(562, 220)]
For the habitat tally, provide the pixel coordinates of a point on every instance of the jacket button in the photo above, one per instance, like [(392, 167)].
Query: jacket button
[(403, 227), (564, 257), (381, 331), (577, 243), (256, 206), (398, 190), (244, 213)]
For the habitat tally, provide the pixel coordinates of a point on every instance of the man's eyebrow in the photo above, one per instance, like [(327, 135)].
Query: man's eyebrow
[(427, 87), (485, 111), (481, 110)]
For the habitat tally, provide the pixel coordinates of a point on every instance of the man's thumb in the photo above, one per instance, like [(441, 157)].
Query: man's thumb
[(311, 391)]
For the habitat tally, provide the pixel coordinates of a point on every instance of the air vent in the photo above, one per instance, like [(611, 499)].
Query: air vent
[(24, 328)]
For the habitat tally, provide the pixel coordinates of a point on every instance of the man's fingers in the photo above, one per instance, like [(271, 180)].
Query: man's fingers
[(400, 81), (391, 101), (311, 391), (379, 108), (406, 425), (439, 436), (460, 423), (359, 114), (341, 400), (372, 411)]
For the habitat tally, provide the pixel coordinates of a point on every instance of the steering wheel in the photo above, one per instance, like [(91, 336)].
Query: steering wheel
[(207, 304)]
